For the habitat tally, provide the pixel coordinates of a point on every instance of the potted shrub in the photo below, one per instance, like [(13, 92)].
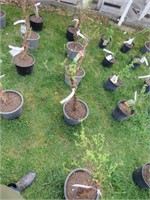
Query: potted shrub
[(146, 48), (2, 19), (115, 80), (137, 61), (86, 182), (109, 59), (74, 47), (141, 176), (106, 39), (36, 20), (146, 83), (71, 30), (23, 61), (127, 46), (11, 102), (125, 109), (75, 110), (75, 68)]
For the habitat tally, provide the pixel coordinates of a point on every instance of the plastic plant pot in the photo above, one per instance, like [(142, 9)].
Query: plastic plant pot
[(73, 51), (102, 44), (36, 25), (141, 176), (146, 48), (69, 34), (108, 63), (72, 121), (136, 64), (109, 85), (2, 19), (10, 115), (77, 170), (24, 70), (33, 42), (147, 89), (118, 114), (77, 77), (126, 47)]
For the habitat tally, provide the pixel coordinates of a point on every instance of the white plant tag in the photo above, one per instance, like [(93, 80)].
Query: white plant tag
[(69, 97), (37, 4), (77, 21), (130, 41), (114, 79), (78, 56), (109, 57), (107, 51), (129, 102), (87, 187), (23, 29), (78, 33), (2, 76), (135, 96), (147, 76), (19, 21), (143, 59), (15, 50)]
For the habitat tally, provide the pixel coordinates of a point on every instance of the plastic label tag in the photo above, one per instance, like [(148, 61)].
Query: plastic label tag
[(114, 79), (69, 97), (130, 41), (23, 29), (129, 102), (109, 57)]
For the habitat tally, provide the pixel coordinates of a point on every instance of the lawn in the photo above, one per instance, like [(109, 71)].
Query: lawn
[(39, 140)]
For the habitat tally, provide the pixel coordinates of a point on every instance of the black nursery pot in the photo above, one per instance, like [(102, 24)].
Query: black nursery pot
[(101, 42), (23, 71), (147, 89), (107, 63), (36, 26), (146, 48), (135, 65), (70, 35), (109, 85), (125, 48), (138, 178), (118, 114)]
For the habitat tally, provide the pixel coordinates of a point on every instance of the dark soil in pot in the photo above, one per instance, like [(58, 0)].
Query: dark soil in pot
[(75, 46), (83, 178), (79, 113), (12, 103)]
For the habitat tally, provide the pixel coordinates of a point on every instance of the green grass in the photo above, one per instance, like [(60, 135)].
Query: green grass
[(40, 141)]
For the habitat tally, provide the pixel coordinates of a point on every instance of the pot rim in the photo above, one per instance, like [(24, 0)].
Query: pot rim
[(76, 76), (143, 172), (79, 120), (72, 49), (28, 65), (40, 16), (20, 95), (3, 15), (146, 45), (32, 39), (73, 171)]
